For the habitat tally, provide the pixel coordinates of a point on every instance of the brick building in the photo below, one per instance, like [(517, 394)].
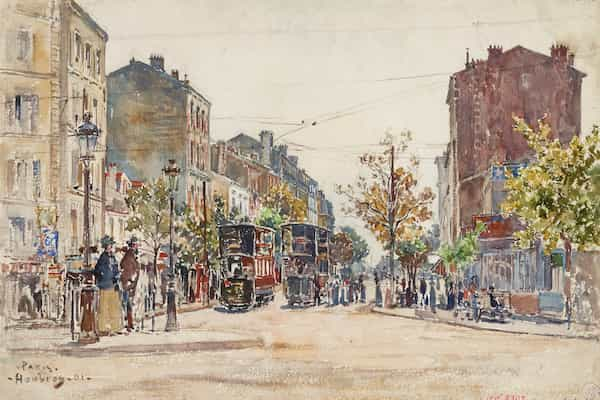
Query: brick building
[(482, 99), (155, 116)]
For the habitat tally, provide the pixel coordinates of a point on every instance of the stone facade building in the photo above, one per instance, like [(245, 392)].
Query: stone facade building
[(482, 99), (51, 72), (155, 116)]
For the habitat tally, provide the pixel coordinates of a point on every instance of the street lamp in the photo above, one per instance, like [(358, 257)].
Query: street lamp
[(87, 135), (172, 173)]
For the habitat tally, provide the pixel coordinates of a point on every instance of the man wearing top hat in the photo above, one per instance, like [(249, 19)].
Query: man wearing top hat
[(107, 279), (130, 272)]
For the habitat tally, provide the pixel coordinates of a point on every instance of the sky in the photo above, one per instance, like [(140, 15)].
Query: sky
[(359, 69)]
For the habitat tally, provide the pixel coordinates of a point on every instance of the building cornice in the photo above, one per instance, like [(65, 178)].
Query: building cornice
[(28, 74)]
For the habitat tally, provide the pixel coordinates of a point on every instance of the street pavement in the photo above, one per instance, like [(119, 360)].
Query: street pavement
[(316, 353)]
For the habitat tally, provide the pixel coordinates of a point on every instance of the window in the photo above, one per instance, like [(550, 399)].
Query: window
[(17, 232), (24, 44), (78, 48), (74, 228), (84, 102), (198, 156), (21, 178), (197, 117), (37, 179), (204, 124), (98, 60), (88, 56), (192, 153), (18, 103), (192, 114)]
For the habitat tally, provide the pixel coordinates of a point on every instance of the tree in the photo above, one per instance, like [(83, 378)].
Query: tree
[(280, 199), (412, 253), (341, 250), (388, 200), (555, 195), (360, 248), (464, 251), (191, 238), (149, 206), (270, 218), (219, 216)]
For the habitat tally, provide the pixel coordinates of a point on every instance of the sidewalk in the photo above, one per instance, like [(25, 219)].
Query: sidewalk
[(510, 326), (50, 324)]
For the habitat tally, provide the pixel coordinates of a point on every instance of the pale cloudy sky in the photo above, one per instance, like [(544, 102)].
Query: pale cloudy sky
[(359, 68)]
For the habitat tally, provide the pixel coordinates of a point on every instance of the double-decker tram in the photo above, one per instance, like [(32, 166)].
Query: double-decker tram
[(247, 265), (306, 265)]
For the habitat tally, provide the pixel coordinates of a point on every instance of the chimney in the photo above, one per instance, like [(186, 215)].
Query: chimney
[(175, 74), (467, 65), (559, 53), (571, 59), (186, 80), (157, 62), (132, 60), (494, 53), (293, 160), (221, 161), (266, 142)]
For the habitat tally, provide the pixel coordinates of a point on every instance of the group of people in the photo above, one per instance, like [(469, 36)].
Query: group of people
[(117, 285), (346, 291)]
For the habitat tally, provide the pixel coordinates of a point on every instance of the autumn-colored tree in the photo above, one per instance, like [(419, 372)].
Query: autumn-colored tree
[(341, 250), (282, 201), (555, 195), (149, 210), (389, 203)]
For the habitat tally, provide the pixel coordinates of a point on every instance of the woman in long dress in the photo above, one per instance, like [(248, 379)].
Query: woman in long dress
[(110, 317)]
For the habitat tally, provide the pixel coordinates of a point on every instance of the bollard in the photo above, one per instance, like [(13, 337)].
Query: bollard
[(88, 320)]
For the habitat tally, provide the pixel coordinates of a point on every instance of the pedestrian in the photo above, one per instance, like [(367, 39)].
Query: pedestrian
[(432, 295), (130, 273), (378, 294), (422, 292), (317, 290), (351, 291), (336, 291), (164, 283), (107, 279), (363, 289)]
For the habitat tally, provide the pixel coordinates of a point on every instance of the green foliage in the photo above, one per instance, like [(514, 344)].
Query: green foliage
[(464, 251), (149, 210), (557, 195), (190, 235), (219, 216), (270, 218), (360, 248)]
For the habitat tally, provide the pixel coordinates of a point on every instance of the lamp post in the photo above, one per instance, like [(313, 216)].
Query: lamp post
[(172, 173), (87, 135)]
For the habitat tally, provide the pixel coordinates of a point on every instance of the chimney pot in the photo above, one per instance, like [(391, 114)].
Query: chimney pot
[(158, 62), (175, 74)]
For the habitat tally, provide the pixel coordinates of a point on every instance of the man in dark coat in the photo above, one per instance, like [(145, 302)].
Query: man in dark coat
[(130, 272)]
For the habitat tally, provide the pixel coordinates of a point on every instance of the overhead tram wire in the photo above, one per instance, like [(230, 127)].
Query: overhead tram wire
[(273, 32)]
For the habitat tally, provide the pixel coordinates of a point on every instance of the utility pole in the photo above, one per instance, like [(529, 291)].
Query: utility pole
[(207, 271), (391, 219)]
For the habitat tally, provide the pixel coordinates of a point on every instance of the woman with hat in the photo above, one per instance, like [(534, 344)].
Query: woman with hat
[(107, 279)]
